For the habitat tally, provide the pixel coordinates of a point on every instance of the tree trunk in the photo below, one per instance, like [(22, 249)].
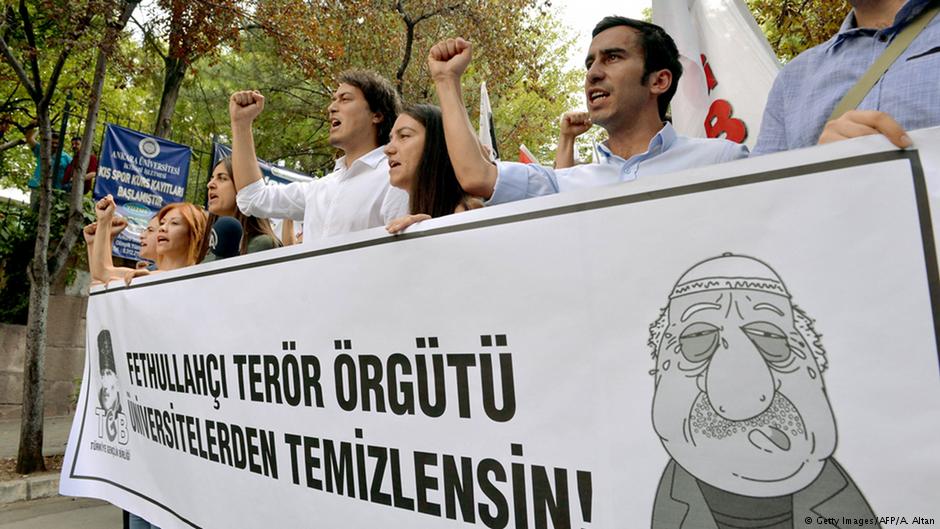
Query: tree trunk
[(174, 73), (29, 457), (409, 43)]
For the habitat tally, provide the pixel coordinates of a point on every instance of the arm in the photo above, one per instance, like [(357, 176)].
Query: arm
[(100, 251), (287, 233), (447, 61), (243, 108), (31, 137), (573, 124)]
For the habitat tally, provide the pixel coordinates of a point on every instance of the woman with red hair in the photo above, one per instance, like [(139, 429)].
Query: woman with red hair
[(182, 227)]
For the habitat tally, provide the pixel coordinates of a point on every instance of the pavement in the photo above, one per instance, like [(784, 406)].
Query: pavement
[(19, 494), (60, 512)]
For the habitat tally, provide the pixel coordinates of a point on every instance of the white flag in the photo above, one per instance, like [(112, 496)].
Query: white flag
[(487, 133), (728, 68)]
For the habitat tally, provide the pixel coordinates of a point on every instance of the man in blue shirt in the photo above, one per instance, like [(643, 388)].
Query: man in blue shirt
[(810, 86), (36, 180), (632, 73)]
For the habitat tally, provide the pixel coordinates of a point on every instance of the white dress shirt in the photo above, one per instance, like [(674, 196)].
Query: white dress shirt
[(349, 199)]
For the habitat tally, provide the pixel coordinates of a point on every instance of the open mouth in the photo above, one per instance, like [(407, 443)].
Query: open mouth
[(596, 95), (334, 124), (393, 164), (769, 439), (161, 238)]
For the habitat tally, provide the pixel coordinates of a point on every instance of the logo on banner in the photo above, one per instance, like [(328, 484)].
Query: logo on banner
[(149, 148), (112, 422)]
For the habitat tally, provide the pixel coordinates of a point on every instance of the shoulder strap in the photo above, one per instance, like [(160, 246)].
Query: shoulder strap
[(857, 93)]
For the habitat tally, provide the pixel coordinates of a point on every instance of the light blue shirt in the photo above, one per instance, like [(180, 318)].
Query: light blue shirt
[(668, 152), (808, 88)]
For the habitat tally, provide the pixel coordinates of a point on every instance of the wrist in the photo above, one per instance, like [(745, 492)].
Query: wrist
[(447, 80)]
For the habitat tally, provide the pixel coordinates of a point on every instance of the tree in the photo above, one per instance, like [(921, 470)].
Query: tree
[(66, 27), (192, 30), (794, 26)]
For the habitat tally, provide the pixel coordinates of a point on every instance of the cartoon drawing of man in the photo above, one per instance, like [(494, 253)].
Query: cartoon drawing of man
[(741, 407)]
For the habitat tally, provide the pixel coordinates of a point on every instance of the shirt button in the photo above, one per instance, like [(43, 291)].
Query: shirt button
[(883, 38)]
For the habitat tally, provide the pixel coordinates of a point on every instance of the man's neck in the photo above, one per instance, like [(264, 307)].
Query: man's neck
[(358, 151), (634, 138), (876, 14)]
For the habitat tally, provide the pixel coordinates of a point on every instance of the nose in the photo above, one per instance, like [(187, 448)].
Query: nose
[(332, 108), (211, 184), (389, 149), (739, 383), (594, 74)]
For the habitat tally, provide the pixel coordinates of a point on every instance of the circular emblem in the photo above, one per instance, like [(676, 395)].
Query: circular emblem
[(149, 148), (213, 239)]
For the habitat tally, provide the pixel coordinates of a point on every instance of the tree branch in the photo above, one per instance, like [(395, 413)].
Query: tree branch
[(33, 51), (148, 37), (18, 68)]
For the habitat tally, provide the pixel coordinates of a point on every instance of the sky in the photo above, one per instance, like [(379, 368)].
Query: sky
[(582, 15)]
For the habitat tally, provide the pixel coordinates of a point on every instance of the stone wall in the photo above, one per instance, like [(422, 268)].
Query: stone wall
[(65, 357)]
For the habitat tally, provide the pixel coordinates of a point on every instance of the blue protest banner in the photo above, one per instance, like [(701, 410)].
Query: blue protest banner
[(143, 173), (269, 171)]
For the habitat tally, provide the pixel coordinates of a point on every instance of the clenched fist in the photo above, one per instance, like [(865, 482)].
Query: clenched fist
[(574, 124), (448, 59), (244, 106)]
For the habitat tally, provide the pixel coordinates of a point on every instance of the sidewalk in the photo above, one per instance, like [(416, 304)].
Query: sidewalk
[(40, 485)]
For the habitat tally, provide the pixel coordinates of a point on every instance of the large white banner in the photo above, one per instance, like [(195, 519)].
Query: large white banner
[(748, 342), (728, 68)]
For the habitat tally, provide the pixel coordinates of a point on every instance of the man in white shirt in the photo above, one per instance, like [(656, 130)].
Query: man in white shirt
[(357, 194)]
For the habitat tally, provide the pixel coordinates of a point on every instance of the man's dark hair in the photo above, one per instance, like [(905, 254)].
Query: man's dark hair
[(381, 96), (79, 138), (659, 52)]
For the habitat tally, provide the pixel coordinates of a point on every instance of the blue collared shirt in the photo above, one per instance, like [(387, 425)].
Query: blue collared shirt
[(809, 87), (668, 152), (64, 160)]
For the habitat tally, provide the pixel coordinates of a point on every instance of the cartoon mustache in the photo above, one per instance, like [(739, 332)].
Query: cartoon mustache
[(777, 424)]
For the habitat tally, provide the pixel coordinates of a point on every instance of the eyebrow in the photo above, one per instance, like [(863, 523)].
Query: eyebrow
[(605, 51), (697, 307), (768, 306), (402, 129)]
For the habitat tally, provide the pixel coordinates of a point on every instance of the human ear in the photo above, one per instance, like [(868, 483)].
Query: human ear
[(659, 81)]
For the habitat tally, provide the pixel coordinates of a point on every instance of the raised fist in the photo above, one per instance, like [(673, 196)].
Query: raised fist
[(449, 59), (574, 124), (244, 106), (104, 208)]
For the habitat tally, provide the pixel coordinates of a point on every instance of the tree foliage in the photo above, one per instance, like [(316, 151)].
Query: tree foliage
[(793, 26)]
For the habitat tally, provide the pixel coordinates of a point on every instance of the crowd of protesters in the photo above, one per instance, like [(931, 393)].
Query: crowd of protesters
[(400, 166)]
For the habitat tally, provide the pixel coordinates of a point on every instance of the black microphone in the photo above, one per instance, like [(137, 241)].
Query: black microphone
[(225, 238)]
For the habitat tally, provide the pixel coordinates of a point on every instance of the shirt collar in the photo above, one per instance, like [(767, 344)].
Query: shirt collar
[(908, 11), (659, 143), (372, 158)]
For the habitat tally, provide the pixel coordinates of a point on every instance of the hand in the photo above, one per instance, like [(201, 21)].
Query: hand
[(104, 209), (129, 276), (398, 225), (574, 124), (448, 59), (855, 123), (244, 106), (117, 226), (88, 232)]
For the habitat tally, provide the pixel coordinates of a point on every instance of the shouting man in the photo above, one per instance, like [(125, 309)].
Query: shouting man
[(741, 407)]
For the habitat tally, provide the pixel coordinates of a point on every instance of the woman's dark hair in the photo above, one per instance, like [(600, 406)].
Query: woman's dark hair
[(251, 226), (381, 96), (435, 190), (659, 52)]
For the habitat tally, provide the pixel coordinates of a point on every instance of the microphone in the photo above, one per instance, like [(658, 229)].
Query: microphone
[(225, 238)]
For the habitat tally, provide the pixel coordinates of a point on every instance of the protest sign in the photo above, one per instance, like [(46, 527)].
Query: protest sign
[(269, 171), (143, 173), (646, 354)]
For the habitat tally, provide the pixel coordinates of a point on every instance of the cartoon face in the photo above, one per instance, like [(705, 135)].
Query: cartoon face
[(109, 393), (740, 401)]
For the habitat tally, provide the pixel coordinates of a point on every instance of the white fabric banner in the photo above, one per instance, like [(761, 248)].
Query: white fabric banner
[(728, 68), (755, 340)]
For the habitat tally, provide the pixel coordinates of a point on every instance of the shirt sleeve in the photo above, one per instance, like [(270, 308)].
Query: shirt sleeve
[(519, 181), (733, 151), (279, 201), (394, 205), (773, 134)]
